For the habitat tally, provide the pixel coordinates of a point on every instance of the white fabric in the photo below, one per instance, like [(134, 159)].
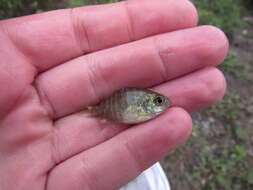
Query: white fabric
[(153, 178)]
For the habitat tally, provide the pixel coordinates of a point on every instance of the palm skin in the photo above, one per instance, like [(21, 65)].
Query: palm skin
[(55, 64)]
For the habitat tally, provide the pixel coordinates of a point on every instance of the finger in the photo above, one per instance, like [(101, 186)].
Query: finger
[(197, 90), (141, 64), (124, 156), (79, 132), (52, 38)]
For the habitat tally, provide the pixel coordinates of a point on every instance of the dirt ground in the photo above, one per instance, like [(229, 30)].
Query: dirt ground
[(219, 155)]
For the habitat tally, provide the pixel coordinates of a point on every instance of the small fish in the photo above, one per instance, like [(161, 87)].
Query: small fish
[(131, 106)]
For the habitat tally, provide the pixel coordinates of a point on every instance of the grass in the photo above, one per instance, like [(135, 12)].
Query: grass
[(228, 109), (14, 8), (212, 161), (77, 3), (217, 156), (225, 14), (230, 167), (231, 66)]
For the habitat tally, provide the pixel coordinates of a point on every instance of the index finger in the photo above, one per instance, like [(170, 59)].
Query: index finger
[(55, 37)]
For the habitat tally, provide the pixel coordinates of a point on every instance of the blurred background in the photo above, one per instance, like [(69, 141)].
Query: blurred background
[(219, 154)]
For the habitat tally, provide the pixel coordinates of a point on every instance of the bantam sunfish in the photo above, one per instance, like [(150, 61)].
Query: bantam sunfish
[(131, 106)]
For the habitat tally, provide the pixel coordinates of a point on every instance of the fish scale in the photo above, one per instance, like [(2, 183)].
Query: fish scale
[(131, 106)]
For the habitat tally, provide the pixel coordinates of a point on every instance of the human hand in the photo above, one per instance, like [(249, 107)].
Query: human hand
[(55, 64)]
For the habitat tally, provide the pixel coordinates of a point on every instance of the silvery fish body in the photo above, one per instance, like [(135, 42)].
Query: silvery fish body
[(131, 106)]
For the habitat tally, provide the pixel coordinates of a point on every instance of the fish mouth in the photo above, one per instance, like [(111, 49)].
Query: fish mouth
[(167, 102), (157, 112)]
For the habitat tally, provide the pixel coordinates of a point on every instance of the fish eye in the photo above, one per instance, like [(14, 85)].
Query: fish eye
[(158, 100)]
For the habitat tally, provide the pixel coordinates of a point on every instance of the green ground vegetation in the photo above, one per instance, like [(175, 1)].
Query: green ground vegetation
[(216, 162), (77, 3), (219, 153), (233, 67), (224, 14), (14, 8)]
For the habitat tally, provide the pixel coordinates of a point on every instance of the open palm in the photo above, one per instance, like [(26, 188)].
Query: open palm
[(55, 64)]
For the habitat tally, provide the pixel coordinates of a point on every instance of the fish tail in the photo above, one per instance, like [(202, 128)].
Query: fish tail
[(90, 108), (92, 111), (89, 111)]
